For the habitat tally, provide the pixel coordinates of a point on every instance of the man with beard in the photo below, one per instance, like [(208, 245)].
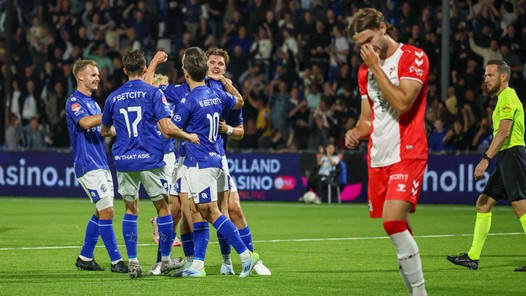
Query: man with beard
[(508, 181)]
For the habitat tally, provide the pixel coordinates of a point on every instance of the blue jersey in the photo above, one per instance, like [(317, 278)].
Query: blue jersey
[(168, 143), (199, 113), (174, 93), (89, 151), (134, 109), (231, 117)]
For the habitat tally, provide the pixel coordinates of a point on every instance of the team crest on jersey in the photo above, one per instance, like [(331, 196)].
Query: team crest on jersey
[(75, 107), (506, 108)]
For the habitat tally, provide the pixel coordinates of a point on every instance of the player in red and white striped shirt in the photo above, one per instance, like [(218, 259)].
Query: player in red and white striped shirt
[(393, 85)]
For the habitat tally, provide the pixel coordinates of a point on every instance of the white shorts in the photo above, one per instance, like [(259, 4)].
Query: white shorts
[(169, 168), (202, 184), (154, 181), (223, 183), (233, 186), (98, 185), (231, 183), (179, 178)]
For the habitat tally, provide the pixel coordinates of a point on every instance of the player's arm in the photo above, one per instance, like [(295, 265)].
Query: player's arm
[(362, 130), (159, 58), (502, 134), (401, 97), (88, 122), (170, 129), (235, 132), (108, 131), (227, 84)]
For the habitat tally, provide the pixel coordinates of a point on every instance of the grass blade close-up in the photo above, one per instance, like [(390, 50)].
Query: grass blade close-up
[(310, 249)]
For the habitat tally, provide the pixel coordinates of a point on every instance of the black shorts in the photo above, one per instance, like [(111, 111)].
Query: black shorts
[(508, 181)]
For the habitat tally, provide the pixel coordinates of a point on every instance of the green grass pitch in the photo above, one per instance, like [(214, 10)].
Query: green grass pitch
[(310, 249)]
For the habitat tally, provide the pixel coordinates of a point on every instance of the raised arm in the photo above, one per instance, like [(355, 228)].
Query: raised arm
[(159, 58), (401, 97)]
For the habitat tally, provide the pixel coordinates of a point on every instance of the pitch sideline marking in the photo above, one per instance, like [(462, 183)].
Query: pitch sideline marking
[(281, 240)]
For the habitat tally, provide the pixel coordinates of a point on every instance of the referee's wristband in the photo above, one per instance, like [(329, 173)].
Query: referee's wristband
[(486, 157), (229, 130)]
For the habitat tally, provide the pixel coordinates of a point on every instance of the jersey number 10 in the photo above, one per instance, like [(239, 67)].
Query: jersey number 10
[(214, 126)]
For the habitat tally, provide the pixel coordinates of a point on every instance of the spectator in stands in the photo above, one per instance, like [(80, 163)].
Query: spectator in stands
[(34, 137), (262, 50), (457, 137), (487, 53), (13, 132), (483, 136), (298, 117), (30, 102), (327, 161), (436, 138)]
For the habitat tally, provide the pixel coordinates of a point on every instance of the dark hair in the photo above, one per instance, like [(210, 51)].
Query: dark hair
[(134, 62), (219, 52), (368, 18), (502, 67), (195, 63)]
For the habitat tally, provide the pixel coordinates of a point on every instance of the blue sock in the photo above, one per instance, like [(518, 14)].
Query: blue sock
[(230, 233), (223, 244), (90, 238), (108, 237), (158, 244), (188, 244), (129, 232), (201, 238), (246, 236), (166, 230)]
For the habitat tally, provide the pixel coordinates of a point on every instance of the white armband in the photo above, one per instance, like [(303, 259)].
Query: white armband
[(229, 130)]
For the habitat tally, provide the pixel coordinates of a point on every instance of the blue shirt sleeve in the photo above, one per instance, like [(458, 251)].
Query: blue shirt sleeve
[(182, 114), (160, 105), (76, 109), (228, 99), (107, 119)]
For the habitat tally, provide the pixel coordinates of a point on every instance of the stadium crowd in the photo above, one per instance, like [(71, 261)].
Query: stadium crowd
[(292, 61)]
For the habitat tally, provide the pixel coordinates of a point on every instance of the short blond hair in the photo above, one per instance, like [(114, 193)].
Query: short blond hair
[(82, 64), (159, 79)]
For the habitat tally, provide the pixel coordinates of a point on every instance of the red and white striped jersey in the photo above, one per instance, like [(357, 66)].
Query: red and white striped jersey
[(395, 137)]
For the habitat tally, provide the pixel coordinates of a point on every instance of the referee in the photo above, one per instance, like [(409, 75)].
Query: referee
[(508, 181)]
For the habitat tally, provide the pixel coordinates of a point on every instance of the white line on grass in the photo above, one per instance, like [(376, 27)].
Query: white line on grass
[(282, 240)]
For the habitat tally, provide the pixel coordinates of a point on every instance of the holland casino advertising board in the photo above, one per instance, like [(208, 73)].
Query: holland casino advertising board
[(268, 176)]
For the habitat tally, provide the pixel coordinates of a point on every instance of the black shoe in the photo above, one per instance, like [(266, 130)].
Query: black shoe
[(88, 265), (464, 260), (520, 269), (119, 267)]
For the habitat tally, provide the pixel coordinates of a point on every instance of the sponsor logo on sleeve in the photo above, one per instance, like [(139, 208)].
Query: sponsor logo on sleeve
[(75, 107), (506, 108)]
